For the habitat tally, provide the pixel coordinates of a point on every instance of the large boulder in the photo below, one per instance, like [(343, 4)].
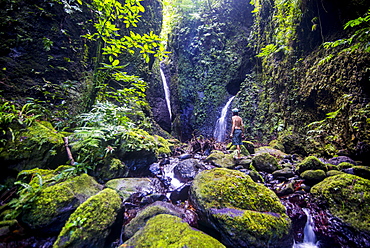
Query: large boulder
[(348, 198), (90, 224), (165, 230), (51, 208), (37, 146), (129, 186), (312, 177), (245, 213), (265, 162)]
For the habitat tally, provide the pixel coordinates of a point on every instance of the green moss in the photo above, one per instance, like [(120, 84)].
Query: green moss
[(313, 176), (252, 224), (277, 145), (221, 159), (170, 231), (164, 146), (89, 224), (344, 165), (265, 162), (37, 145), (224, 188), (311, 163), (348, 198), (69, 194), (141, 218), (333, 173)]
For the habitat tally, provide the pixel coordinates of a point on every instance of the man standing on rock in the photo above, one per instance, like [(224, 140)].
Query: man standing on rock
[(237, 130)]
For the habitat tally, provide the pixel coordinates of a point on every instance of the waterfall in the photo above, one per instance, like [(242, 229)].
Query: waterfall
[(219, 133), (166, 90), (309, 240)]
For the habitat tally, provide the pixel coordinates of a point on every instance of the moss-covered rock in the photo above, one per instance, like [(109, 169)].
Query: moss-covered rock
[(344, 165), (89, 225), (331, 173), (40, 145), (243, 150), (313, 176), (272, 151), (113, 168), (49, 211), (221, 159), (265, 162), (348, 198), (166, 230), (152, 210), (311, 163), (128, 186), (247, 214)]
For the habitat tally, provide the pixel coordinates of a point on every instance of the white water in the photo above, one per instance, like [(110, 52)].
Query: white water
[(220, 129), (309, 240), (166, 91), (168, 172)]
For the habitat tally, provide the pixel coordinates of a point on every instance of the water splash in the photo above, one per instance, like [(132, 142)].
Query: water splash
[(220, 129), (167, 93), (309, 240)]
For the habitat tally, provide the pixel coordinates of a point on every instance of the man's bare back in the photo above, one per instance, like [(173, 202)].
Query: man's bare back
[(237, 122)]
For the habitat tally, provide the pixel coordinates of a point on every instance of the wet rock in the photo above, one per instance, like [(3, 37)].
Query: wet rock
[(165, 230), (284, 188), (49, 211), (265, 162), (185, 156), (150, 211), (249, 146), (312, 177), (341, 159), (311, 163), (129, 186), (186, 170), (284, 173), (180, 194), (362, 171), (91, 220), (245, 213)]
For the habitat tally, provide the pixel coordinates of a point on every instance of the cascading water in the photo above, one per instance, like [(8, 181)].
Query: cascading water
[(309, 240), (166, 90), (220, 129)]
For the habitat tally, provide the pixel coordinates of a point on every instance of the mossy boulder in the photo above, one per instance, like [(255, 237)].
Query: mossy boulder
[(270, 150), (265, 162), (347, 198), (313, 176), (220, 159), (112, 168), (150, 211), (165, 230), (311, 163), (39, 145), (245, 213), (331, 173), (129, 186), (52, 207), (243, 150), (90, 224)]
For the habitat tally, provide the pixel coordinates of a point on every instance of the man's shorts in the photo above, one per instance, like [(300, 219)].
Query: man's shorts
[(237, 137)]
